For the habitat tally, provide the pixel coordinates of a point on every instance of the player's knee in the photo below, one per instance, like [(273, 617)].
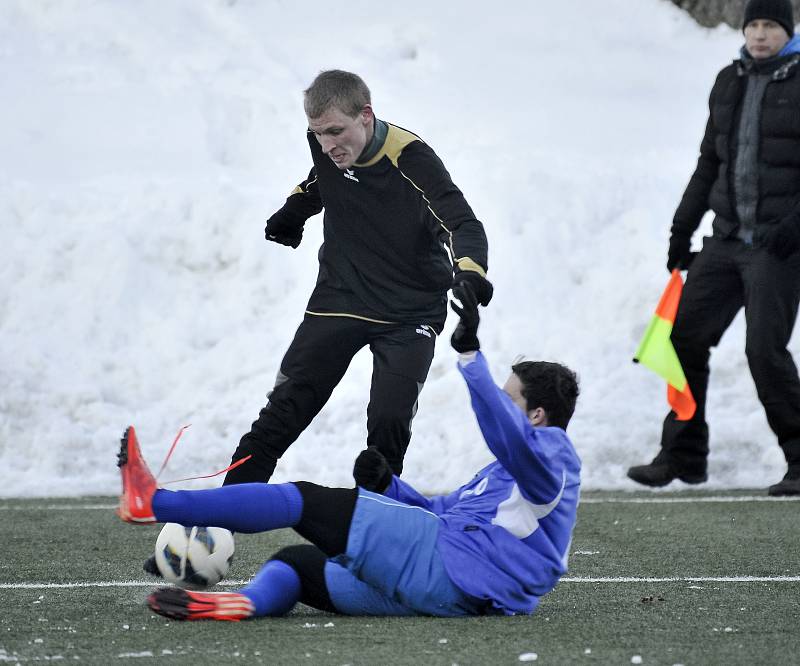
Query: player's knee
[(765, 364), (691, 351), (259, 461), (391, 422), (302, 558), (309, 563)]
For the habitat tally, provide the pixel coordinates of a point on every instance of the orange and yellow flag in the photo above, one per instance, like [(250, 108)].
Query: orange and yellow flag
[(657, 353)]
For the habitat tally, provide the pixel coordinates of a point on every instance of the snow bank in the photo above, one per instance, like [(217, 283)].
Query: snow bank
[(146, 143)]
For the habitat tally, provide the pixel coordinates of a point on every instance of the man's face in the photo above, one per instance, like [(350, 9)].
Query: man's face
[(513, 387), (343, 138), (764, 38)]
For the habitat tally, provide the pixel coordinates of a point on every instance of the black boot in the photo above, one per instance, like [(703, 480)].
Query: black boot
[(789, 485), (658, 474)]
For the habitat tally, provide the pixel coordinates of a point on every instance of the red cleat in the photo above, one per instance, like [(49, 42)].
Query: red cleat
[(138, 483), (180, 604)]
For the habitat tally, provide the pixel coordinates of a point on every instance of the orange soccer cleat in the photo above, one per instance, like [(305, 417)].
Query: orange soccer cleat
[(180, 604), (138, 483)]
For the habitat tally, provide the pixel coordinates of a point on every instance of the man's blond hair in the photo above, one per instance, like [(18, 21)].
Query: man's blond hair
[(338, 89)]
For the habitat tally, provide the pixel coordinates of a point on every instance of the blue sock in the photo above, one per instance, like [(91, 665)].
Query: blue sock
[(246, 507), (275, 589)]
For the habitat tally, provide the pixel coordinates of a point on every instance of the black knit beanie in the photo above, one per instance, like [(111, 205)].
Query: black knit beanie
[(779, 11)]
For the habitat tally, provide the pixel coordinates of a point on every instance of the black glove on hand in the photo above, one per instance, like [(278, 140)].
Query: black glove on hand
[(679, 254), (371, 470), (465, 337), (285, 229), (482, 288), (783, 239)]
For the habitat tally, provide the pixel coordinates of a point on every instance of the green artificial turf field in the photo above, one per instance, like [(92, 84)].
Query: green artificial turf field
[(655, 578)]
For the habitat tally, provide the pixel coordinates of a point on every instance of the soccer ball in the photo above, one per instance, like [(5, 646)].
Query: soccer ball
[(194, 557)]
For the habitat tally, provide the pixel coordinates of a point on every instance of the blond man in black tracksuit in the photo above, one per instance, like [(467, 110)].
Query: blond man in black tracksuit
[(397, 235)]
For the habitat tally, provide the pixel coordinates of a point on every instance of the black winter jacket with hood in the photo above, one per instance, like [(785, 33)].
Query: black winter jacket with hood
[(712, 186)]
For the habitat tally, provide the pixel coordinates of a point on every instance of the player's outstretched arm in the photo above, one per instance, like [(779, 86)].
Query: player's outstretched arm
[(504, 425), (509, 435)]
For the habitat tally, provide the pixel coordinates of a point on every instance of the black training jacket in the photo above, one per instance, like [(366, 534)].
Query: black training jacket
[(389, 224), (711, 185)]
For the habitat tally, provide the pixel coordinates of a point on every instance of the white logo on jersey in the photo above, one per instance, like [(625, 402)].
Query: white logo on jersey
[(422, 331), (477, 490), (521, 517), (348, 173)]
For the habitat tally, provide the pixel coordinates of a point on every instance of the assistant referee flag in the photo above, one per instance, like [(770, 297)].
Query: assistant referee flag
[(657, 353)]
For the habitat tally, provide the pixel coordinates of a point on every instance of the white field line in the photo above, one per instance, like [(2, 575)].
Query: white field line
[(60, 507), (105, 583), (685, 579), (687, 500), (574, 579), (584, 500)]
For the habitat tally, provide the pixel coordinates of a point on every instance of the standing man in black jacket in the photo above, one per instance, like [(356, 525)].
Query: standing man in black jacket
[(397, 235), (748, 173)]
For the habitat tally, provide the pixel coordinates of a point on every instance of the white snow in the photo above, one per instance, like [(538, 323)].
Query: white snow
[(144, 144)]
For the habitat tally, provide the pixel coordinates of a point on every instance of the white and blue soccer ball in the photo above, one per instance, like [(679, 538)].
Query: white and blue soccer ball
[(194, 557)]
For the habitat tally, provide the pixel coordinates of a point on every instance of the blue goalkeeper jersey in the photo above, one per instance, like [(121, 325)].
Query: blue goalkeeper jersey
[(505, 535)]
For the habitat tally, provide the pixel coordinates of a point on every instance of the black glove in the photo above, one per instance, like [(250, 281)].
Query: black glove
[(465, 337), (679, 254), (284, 228), (480, 285), (783, 239), (371, 470)]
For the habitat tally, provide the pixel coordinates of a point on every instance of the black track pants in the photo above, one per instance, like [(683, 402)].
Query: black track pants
[(312, 367), (726, 276)]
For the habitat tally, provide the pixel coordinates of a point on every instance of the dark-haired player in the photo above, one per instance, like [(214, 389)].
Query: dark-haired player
[(493, 546)]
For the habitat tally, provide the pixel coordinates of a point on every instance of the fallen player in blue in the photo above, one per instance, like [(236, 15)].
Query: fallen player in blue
[(494, 546)]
